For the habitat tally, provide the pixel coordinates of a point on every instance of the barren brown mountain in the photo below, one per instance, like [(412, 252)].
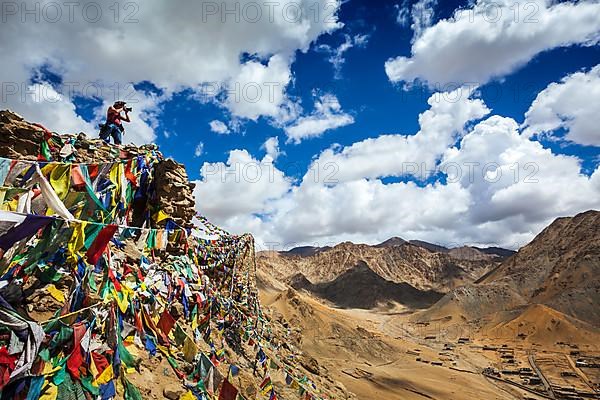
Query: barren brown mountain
[(559, 268), (397, 270)]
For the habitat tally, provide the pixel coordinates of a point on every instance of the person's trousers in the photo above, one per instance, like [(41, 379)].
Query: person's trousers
[(114, 132)]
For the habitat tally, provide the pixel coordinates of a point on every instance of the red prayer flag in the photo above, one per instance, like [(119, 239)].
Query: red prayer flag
[(100, 362), (76, 358), (228, 391), (128, 174), (77, 177), (99, 245), (7, 365), (93, 171), (166, 322)]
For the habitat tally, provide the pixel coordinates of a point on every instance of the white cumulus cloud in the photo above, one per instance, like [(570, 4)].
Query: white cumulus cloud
[(327, 115), (500, 187), (219, 127), (398, 155), (271, 147), (572, 104), (491, 39), (111, 45)]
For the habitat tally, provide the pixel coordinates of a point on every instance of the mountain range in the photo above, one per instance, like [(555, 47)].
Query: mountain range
[(413, 273), (559, 269)]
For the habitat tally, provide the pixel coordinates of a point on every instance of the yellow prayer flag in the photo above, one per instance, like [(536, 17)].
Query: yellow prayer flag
[(49, 370), (106, 376), (57, 294), (94, 371), (189, 349), (123, 303), (187, 396), (77, 240), (60, 180), (161, 215), (51, 393)]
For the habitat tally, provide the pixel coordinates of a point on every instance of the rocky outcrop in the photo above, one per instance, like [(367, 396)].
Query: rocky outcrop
[(20, 139), (174, 191)]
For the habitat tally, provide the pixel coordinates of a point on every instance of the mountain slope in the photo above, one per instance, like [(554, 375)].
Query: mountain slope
[(360, 287), (560, 268), (544, 325)]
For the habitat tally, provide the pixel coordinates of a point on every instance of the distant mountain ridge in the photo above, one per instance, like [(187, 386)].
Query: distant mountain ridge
[(420, 266), (499, 252)]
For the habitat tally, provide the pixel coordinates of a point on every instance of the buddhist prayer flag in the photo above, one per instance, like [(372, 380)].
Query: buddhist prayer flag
[(99, 245), (266, 386), (166, 322), (228, 391)]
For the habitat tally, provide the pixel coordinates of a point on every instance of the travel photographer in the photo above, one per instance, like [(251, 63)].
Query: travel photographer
[(113, 127)]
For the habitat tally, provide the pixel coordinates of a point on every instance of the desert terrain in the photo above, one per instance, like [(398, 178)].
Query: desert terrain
[(416, 335)]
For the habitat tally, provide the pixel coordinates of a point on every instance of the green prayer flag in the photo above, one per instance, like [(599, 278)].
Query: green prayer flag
[(179, 335), (86, 382), (131, 392), (45, 151)]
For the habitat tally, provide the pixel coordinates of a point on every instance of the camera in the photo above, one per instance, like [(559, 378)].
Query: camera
[(128, 109)]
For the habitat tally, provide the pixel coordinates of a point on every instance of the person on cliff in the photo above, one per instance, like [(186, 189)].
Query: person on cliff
[(114, 122)]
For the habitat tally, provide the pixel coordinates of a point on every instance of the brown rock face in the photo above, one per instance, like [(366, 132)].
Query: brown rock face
[(18, 138), (361, 276), (174, 192), (424, 269)]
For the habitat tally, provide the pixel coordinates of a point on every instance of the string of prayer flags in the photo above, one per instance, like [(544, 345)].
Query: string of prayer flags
[(116, 299), (266, 385)]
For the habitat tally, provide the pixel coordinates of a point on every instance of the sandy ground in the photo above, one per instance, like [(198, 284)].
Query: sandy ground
[(380, 354)]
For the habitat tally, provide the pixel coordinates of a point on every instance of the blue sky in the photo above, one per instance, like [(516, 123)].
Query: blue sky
[(365, 91), (532, 74)]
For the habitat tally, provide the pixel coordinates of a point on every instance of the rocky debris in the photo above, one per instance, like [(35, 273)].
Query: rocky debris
[(176, 310), (310, 364), (173, 391)]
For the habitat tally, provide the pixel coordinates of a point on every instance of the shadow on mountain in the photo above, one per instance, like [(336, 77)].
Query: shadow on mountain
[(360, 287)]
